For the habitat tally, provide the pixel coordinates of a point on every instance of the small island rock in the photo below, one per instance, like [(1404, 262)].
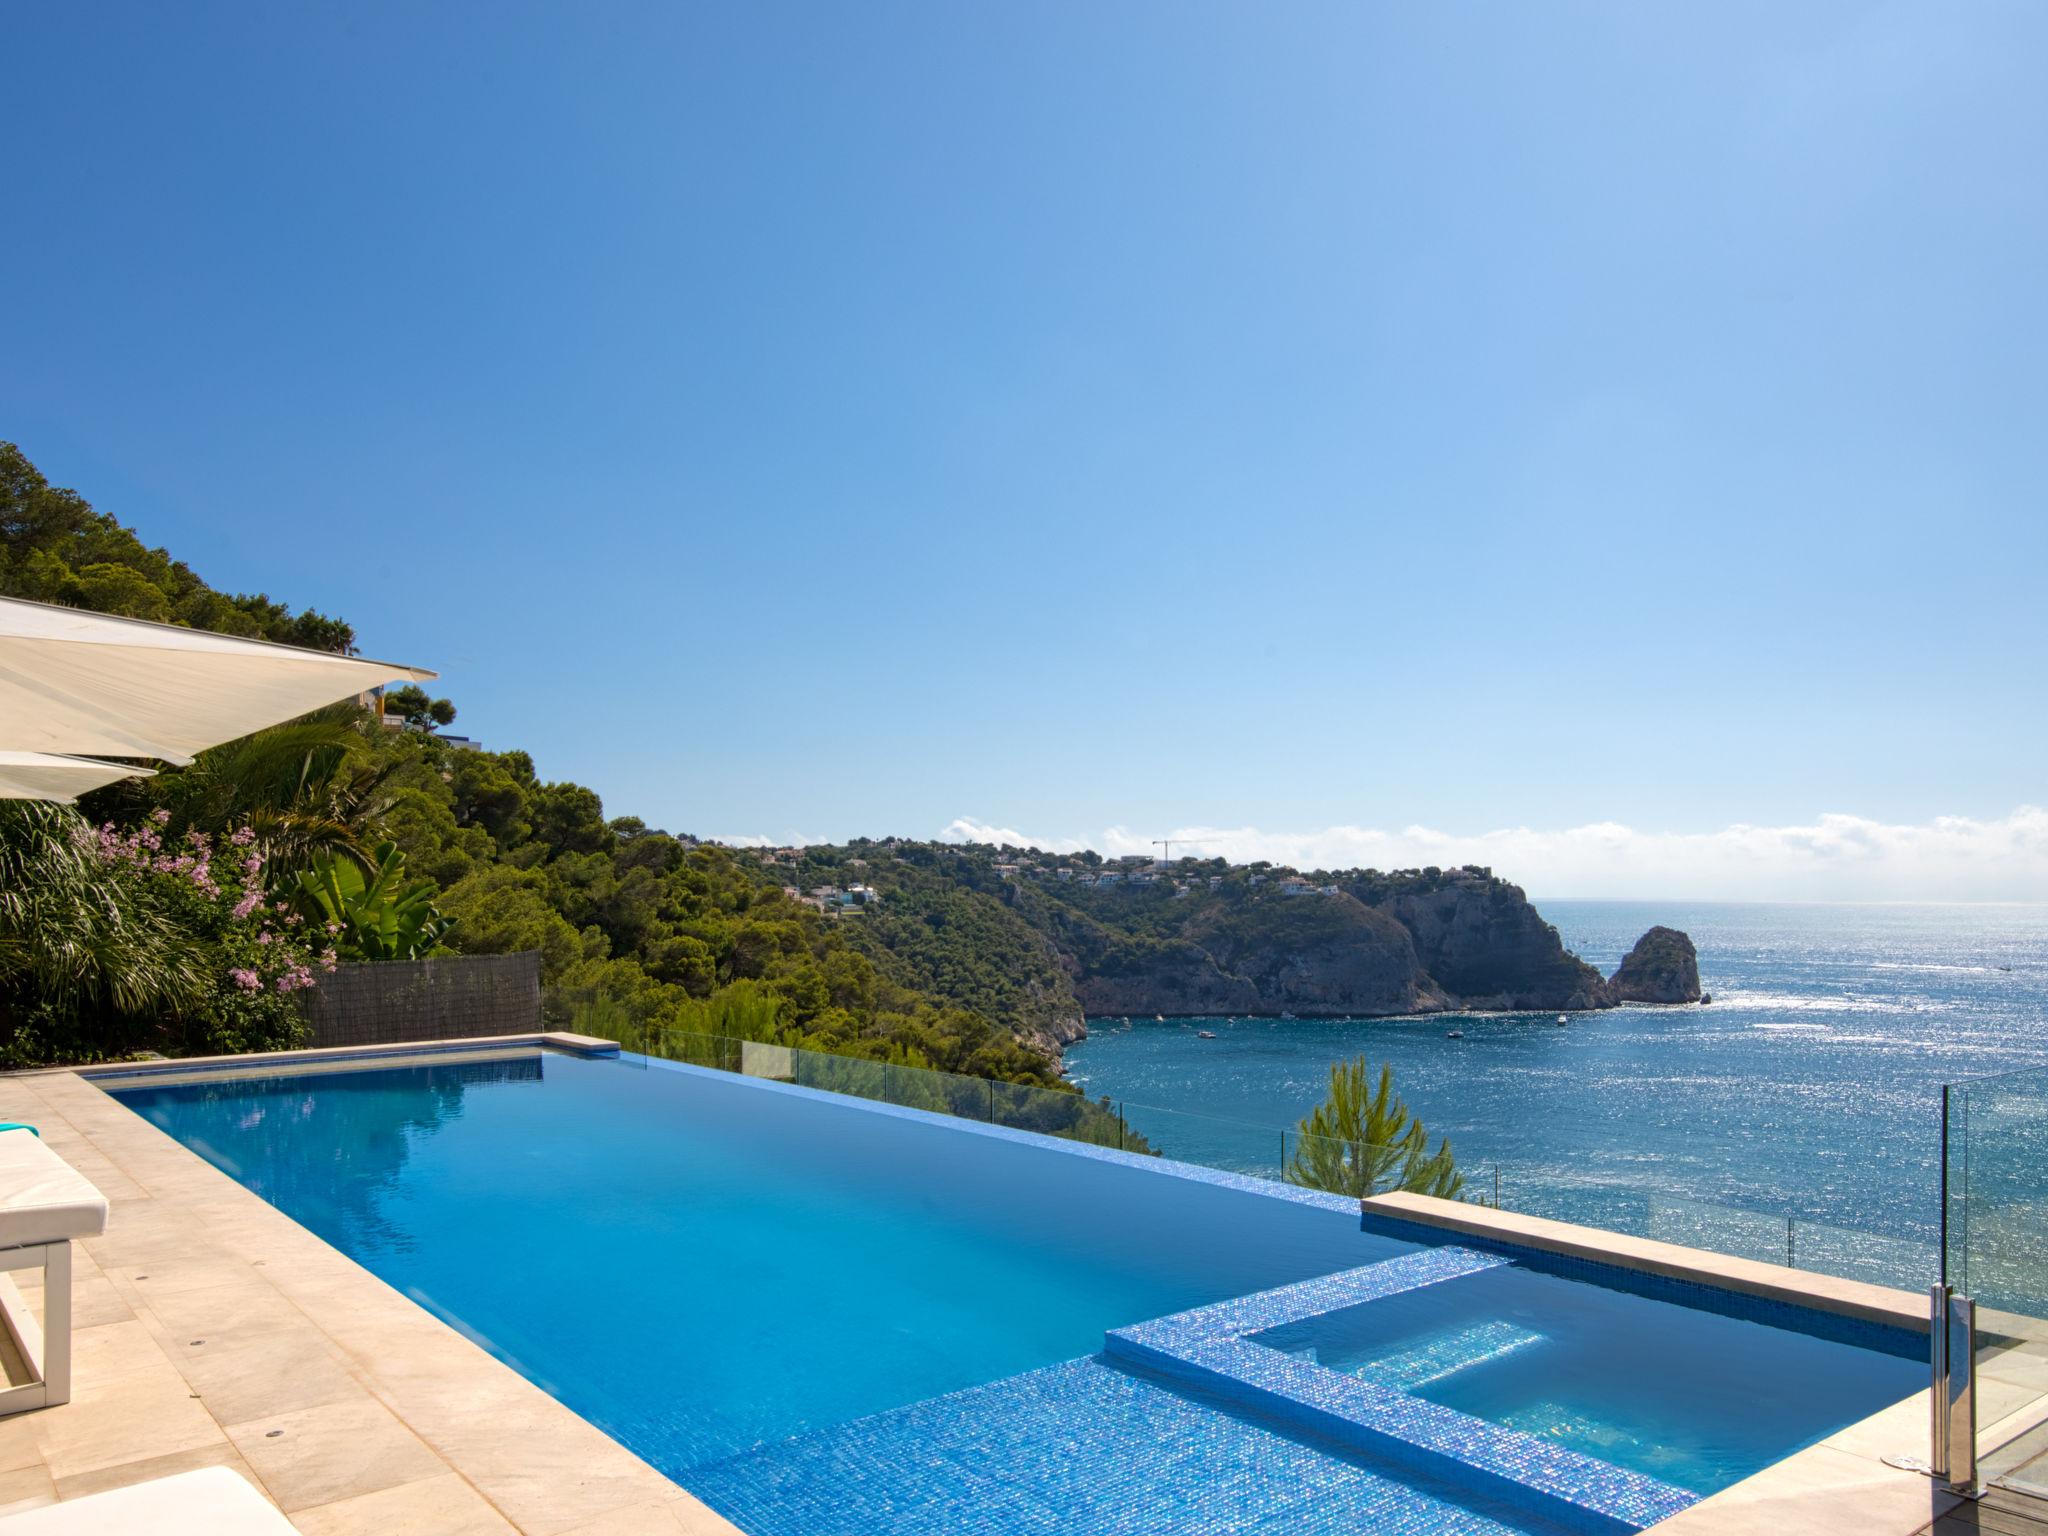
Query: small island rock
[(1662, 968)]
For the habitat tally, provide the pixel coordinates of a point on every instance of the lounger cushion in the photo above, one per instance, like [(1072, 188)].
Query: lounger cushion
[(43, 1199), (213, 1501)]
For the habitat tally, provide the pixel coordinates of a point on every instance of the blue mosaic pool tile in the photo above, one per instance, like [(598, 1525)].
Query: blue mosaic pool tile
[(1577, 1491), (1083, 1449), (1212, 1349), (1290, 1303)]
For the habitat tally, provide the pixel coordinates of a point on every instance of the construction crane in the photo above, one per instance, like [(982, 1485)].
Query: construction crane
[(1166, 845)]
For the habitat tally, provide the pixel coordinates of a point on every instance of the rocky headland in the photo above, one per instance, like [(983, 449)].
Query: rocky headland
[(1454, 941), (1039, 942)]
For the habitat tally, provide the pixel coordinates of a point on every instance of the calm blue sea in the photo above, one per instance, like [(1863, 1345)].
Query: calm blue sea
[(1810, 1087)]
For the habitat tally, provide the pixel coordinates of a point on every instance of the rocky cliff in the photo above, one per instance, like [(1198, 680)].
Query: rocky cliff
[(1662, 968), (1427, 942), (1316, 957), (1035, 943), (1461, 943), (1485, 945)]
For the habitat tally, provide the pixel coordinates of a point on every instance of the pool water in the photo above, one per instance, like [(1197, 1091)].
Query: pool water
[(699, 1263), (827, 1315), (1690, 1397)]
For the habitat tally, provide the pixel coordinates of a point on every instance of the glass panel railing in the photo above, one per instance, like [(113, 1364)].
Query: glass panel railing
[(1020, 1106), (1876, 1258), (1234, 1146), (1768, 1237), (1997, 1249)]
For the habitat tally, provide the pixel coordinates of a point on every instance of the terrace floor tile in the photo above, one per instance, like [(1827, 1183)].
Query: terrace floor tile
[(218, 1454), (131, 1417), (314, 1456), (26, 1488), (241, 1376), (439, 1506)]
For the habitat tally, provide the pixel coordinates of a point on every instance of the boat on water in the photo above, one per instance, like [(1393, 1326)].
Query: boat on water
[(1454, 1034), (1158, 1018), (1562, 1020), (1205, 1034)]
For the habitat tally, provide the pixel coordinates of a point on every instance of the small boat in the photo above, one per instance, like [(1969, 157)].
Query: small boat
[(1205, 1034), (1454, 1034), (1562, 1020), (1158, 1018)]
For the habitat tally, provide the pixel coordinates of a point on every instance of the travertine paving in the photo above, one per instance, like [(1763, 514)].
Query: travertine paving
[(213, 1329)]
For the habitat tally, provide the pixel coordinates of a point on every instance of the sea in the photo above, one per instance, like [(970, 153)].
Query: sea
[(1797, 1117)]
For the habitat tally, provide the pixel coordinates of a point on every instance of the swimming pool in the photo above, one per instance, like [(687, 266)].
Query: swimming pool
[(757, 1287)]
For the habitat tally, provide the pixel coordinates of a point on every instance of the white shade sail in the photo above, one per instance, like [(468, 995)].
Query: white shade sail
[(46, 776), (79, 682)]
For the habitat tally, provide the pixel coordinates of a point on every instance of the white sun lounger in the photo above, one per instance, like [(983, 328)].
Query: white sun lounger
[(213, 1501), (44, 1204)]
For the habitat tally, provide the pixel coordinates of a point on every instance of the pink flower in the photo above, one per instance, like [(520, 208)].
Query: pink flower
[(246, 979), (263, 937), (248, 904), (253, 864), (243, 837), (160, 817)]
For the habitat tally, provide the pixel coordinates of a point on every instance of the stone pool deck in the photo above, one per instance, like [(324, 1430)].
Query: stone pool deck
[(210, 1328)]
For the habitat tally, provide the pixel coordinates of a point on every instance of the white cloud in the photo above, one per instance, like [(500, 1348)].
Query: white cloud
[(1833, 858)]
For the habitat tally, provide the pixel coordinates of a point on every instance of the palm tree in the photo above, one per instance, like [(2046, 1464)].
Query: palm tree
[(77, 938), (305, 789), (1360, 1143)]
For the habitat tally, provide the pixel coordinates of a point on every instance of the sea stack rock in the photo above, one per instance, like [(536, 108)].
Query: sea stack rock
[(1662, 968)]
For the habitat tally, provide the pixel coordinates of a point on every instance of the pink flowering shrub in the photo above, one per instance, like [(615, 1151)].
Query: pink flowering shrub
[(256, 947)]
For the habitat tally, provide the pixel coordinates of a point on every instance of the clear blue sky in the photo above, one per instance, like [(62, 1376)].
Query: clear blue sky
[(838, 419)]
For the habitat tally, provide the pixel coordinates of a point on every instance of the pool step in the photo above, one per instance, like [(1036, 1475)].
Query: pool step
[(1446, 1354)]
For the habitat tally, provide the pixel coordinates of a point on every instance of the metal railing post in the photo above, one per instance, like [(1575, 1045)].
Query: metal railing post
[(1937, 1380), (1952, 1369), (1959, 1350)]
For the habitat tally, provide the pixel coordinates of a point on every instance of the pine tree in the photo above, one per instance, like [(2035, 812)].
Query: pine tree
[(1362, 1144)]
